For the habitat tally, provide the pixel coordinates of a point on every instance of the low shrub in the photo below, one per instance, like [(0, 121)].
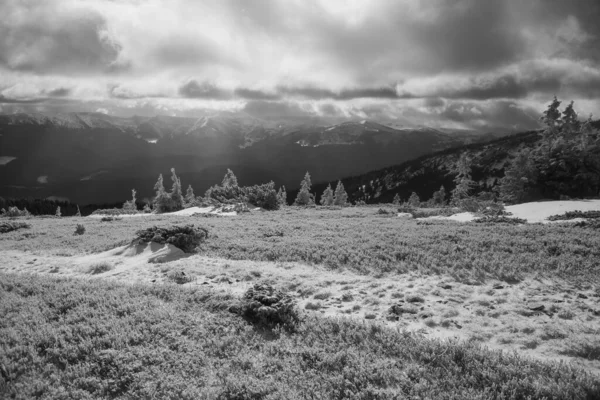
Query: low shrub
[(79, 229), (6, 227), (109, 219), (594, 214), (500, 220), (264, 305), (100, 268), (187, 237)]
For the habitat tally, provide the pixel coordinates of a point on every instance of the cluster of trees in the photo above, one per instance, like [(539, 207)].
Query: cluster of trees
[(339, 197), (229, 191), (566, 163)]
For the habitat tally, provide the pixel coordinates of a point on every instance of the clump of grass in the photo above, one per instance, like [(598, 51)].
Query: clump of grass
[(322, 296), (313, 306), (370, 316), (180, 277), (347, 297), (100, 268), (582, 348), (414, 298), (565, 314)]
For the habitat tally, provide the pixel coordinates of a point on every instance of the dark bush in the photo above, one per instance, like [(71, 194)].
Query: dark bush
[(187, 238), (15, 212), (6, 227), (264, 305), (264, 196), (79, 229), (594, 214)]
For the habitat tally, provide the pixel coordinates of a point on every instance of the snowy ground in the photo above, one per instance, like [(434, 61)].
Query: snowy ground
[(223, 211), (535, 212)]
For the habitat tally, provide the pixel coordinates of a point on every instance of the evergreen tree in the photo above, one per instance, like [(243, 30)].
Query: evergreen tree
[(463, 181), (78, 212), (570, 121), (131, 204), (190, 198), (58, 213), (327, 196), (439, 197), (414, 200), (176, 194), (304, 197), (396, 200), (282, 196), (229, 180), (340, 197), (518, 178), (162, 200)]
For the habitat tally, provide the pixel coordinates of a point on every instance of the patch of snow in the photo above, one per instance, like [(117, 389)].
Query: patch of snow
[(364, 121), (153, 141), (42, 179), (541, 210), (6, 159), (460, 217), (405, 215), (332, 128)]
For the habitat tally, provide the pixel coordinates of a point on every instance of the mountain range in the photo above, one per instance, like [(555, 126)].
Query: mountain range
[(98, 158)]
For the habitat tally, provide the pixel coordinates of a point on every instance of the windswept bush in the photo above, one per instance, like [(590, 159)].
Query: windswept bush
[(187, 237), (264, 305), (6, 227), (15, 212)]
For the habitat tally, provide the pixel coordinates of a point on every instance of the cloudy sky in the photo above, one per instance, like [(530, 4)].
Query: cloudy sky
[(455, 63)]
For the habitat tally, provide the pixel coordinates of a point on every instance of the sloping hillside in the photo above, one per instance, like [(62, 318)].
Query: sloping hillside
[(565, 173)]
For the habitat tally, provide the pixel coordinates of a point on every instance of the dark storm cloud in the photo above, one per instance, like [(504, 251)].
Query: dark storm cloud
[(34, 37), (251, 94), (204, 90), (58, 92), (278, 110)]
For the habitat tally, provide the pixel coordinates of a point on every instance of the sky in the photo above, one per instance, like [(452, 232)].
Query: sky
[(473, 64)]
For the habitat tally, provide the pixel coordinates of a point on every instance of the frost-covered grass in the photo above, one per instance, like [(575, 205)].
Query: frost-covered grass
[(77, 339), (352, 238)]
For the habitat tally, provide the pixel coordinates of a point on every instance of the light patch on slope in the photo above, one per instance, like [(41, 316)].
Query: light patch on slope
[(88, 177), (153, 141), (540, 211), (535, 212), (42, 179), (6, 159)]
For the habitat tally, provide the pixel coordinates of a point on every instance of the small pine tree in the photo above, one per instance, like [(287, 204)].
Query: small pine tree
[(304, 197), (78, 214), (518, 178), (571, 124), (439, 197), (463, 181), (58, 213), (190, 197), (414, 200), (176, 195), (229, 180), (340, 197), (162, 200), (396, 200), (282, 196), (327, 197)]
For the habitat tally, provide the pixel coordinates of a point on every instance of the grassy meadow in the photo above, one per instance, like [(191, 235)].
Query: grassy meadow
[(87, 336)]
